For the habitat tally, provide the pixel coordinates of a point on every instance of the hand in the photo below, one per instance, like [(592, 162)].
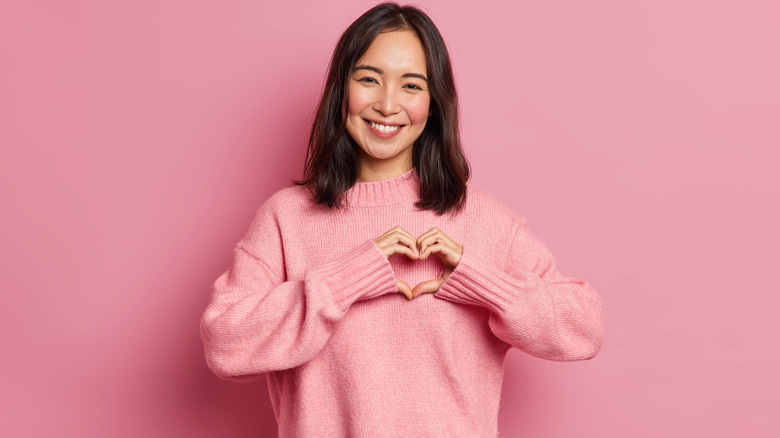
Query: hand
[(434, 241), (399, 241)]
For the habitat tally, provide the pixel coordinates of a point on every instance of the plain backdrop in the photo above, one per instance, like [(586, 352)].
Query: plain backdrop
[(639, 139)]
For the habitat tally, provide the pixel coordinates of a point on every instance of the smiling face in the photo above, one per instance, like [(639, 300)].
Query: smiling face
[(389, 104)]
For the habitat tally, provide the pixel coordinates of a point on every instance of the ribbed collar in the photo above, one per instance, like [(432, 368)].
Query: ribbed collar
[(386, 191)]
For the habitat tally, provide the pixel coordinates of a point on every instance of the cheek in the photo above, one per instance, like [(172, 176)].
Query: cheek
[(357, 101), (418, 110)]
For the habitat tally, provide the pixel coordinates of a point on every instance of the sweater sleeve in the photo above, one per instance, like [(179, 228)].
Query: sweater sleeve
[(532, 306), (257, 321)]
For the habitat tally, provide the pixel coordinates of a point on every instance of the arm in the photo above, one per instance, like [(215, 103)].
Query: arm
[(258, 322), (533, 307)]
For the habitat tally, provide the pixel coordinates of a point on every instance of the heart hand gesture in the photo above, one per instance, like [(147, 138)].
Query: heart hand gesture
[(433, 241)]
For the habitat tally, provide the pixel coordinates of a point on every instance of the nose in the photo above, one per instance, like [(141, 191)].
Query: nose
[(387, 102)]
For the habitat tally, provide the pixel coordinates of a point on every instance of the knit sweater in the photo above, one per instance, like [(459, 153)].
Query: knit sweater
[(312, 301)]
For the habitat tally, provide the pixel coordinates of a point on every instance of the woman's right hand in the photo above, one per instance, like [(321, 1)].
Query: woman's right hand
[(399, 241)]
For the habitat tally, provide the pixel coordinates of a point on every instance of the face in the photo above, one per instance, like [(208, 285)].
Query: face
[(388, 104)]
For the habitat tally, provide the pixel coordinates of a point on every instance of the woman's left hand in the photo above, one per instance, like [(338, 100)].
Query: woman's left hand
[(434, 241)]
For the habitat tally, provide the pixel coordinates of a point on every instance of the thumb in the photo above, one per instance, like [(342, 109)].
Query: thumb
[(427, 287), (404, 288)]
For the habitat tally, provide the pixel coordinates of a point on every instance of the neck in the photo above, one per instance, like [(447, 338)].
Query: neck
[(372, 170), (386, 191)]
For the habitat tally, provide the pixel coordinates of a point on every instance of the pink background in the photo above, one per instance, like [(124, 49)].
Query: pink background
[(639, 139)]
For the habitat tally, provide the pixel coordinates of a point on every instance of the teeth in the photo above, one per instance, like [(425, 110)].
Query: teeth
[(384, 128)]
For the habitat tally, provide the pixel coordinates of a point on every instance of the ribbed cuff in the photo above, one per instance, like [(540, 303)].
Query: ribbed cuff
[(476, 283), (362, 274)]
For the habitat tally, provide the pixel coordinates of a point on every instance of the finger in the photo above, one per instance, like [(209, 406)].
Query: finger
[(427, 287), (400, 249), (425, 236), (404, 289), (449, 255), (424, 243), (396, 229), (433, 236), (399, 230), (396, 237), (431, 285)]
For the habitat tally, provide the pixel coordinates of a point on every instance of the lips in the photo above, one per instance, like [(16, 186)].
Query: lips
[(384, 130)]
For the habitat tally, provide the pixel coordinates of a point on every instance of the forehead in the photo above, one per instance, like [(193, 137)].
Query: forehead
[(395, 51)]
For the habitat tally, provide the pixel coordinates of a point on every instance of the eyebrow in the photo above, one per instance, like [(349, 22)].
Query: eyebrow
[(379, 71)]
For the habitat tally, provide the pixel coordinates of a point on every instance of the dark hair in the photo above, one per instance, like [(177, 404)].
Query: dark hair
[(332, 159)]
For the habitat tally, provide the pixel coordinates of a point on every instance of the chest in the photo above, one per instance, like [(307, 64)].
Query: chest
[(322, 240)]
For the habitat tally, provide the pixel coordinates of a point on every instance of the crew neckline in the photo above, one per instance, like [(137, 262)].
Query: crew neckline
[(385, 191)]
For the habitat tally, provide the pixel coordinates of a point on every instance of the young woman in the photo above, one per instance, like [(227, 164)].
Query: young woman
[(382, 294)]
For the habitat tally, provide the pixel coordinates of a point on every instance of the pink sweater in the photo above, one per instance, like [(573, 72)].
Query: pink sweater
[(312, 301)]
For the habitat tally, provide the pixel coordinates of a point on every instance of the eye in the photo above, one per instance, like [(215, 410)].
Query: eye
[(414, 87), (368, 80)]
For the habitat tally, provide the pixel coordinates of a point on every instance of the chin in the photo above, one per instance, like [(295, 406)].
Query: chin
[(384, 155)]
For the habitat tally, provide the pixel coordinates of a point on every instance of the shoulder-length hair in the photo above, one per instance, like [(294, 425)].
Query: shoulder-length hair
[(332, 158)]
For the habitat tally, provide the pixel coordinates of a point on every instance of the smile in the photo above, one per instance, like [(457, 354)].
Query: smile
[(384, 129)]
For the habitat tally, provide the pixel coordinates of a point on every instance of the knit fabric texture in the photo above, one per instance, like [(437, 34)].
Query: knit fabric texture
[(312, 302)]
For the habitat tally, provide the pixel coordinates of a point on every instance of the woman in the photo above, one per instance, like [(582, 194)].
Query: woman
[(381, 294)]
